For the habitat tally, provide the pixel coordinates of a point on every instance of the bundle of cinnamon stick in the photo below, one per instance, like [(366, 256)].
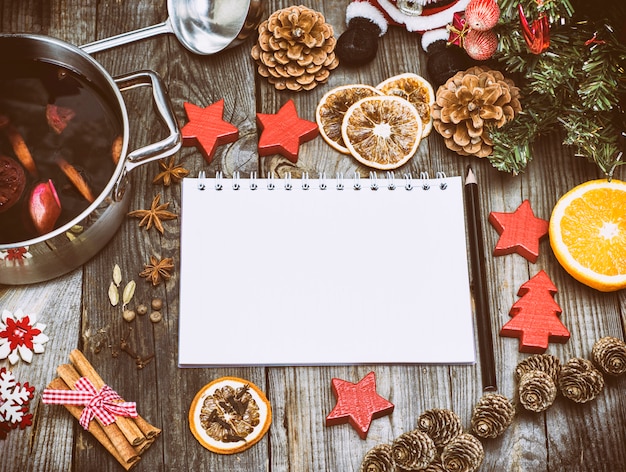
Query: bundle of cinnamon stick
[(127, 438)]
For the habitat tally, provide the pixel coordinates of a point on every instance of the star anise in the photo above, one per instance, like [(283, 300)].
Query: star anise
[(157, 270), (171, 173), (154, 215)]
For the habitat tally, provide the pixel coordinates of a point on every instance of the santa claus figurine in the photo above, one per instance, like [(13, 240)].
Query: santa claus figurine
[(367, 20)]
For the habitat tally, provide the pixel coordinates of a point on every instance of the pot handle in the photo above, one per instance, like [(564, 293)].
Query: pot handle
[(167, 146)]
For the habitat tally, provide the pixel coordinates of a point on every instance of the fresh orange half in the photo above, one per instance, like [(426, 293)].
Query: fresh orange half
[(588, 234), (382, 132), (229, 415), (417, 90), (333, 106)]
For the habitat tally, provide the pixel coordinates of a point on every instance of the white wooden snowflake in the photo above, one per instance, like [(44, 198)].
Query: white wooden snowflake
[(20, 336), (14, 403)]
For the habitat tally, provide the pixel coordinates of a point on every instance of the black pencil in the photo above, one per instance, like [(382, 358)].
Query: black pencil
[(479, 283)]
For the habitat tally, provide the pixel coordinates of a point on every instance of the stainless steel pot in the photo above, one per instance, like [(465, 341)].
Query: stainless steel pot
[(65, 249)]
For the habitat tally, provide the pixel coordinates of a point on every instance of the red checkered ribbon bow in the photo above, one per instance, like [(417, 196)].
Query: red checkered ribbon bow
[(104, 404)]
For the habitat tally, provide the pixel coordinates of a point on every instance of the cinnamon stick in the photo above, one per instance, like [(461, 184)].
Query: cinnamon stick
[(77, 180), (19, 146), (95, 429), (126, 425), (125, 449), (149, 431)]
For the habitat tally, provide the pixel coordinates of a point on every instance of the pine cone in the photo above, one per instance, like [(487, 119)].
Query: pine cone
[(295, 49), (378, 459), (580, 381), (542, 362), (467, 103), (435, 466), (413, 450), (492, 415), (441, 425), (537, 391), (464, 454), (609, 354)]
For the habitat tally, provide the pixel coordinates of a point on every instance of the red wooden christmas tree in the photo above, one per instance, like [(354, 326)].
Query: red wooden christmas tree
[(536, 316)]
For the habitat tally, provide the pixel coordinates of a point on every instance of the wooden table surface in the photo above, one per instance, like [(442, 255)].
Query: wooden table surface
[(77, 312)]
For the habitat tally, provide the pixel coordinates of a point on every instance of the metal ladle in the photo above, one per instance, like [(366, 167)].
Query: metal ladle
[(202, 26)]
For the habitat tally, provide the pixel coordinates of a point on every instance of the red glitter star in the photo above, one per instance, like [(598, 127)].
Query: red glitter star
[(207, 129), (358, 404), (519, 232), (283, 132)]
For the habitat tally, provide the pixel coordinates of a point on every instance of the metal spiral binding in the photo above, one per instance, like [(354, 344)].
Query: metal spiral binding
[(424, 176), (236, 184), (357, 181), (373, 181), (391, 184), (340, 185), (218, 180), (442, 185), (201, 177), (288, 184), (322, 179), (408, 185)]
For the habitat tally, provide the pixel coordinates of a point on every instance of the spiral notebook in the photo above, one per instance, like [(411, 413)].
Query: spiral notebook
[(323, 272)]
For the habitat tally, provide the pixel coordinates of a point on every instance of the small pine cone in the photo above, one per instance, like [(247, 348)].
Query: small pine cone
[(609, 354), (580, 381), (435, 466), (295, 49), (537, 391), (413, 450), (468, 103), (441, 425), (543, 362), (492, 415), (378, 459), (464, 454)]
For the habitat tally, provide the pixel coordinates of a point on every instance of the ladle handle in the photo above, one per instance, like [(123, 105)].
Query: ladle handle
[(129, 37)]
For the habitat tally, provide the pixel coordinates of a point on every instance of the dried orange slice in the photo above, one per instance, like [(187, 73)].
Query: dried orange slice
[(416, 90), (588, 234), (229, 415), (382, 131), (333, 106)]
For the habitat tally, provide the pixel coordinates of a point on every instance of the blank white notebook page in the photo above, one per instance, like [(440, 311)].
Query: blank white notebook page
[(322, 277)]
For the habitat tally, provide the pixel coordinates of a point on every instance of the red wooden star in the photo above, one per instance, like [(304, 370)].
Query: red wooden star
[(358, 404), (536, 316), (519, 232), (283, 132), (207, 129)]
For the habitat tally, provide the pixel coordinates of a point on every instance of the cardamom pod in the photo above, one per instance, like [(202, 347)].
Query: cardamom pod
[(117, 275), (128, 293), (114, 294)]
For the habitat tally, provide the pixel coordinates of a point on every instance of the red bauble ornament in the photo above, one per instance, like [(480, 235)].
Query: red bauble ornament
[(480, 45), (482, 15)]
